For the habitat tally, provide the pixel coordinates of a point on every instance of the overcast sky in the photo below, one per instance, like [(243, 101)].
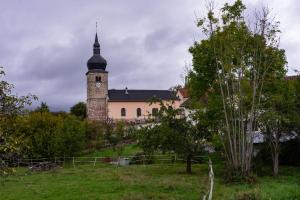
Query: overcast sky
[(44, 45)]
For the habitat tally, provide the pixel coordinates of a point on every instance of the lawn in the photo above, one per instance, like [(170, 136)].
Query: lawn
[(137, 182)]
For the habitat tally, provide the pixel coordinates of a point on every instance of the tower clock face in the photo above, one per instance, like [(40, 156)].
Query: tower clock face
[(98, 84)]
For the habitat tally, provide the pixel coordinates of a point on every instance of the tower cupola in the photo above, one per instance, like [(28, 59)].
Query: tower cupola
[(96, 62)]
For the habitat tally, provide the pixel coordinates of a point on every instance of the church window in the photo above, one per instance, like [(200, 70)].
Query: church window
[(138, 112), (123, 112), (98, 79), (154, 111)]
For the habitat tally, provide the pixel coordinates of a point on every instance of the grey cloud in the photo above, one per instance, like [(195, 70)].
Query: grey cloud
[(44, 45)]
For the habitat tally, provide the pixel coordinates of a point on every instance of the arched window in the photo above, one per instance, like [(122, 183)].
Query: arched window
[(98, 79), (123, 112), (138, 112), (154, 112)]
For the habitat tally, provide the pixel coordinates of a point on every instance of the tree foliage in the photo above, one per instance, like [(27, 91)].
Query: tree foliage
[(279, 114), (10, 106), (79, 110), (42, 108), (230, 67), (48, 135), (173, 132)]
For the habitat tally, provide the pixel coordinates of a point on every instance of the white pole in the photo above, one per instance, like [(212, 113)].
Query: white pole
[(95, 161)]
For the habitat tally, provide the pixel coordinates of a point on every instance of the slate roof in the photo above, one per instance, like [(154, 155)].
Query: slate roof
[(140, 95)]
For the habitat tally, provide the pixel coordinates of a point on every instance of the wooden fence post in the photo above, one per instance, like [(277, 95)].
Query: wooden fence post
[(73, 163), (95, 161)]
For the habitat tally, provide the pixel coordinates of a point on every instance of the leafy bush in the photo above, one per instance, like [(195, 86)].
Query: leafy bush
[(94, 135), (48, 135), (236, 176)]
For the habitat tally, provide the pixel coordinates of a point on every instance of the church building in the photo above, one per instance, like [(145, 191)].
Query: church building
[(124, 104)]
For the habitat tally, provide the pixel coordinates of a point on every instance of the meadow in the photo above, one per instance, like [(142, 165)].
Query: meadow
[(140, 182)]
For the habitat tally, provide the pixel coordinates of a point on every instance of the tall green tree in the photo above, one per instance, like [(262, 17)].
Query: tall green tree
[(279, 114), (10, 106), (79, 110), (230, 67), (173, 132)]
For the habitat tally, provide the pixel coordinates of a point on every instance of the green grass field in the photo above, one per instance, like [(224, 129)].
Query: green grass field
[(137, 182)]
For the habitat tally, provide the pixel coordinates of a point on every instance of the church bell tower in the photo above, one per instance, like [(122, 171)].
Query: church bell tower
[(97, 85)]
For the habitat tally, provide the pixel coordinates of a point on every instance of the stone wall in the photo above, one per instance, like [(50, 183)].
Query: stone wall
[(97, 96)]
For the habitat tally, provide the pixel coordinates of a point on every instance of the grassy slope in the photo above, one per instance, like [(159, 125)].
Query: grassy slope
[(139, 182)]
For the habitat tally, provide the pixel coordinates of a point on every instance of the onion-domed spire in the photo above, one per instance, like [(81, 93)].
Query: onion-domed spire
[(96, 45), (96, 61)]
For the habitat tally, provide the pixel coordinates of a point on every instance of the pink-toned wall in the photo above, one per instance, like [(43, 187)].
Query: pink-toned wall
[(114, 109)]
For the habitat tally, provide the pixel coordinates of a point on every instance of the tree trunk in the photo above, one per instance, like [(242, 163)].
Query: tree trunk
[(275, 163), (189, 164)]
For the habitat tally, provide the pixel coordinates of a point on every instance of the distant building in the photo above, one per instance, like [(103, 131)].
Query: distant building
[(125, 104)]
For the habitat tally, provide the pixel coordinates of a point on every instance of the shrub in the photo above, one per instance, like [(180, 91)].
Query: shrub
[(72, 135), (47, 135), (236, 176), (94, 135)]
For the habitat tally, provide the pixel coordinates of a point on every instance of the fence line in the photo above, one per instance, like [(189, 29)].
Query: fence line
[(122, 160)]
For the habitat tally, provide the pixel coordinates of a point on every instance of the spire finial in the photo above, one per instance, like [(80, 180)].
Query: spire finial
[(96, 27)]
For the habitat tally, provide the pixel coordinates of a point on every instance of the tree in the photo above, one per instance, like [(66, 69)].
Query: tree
[(79, 110), (229, 69), (114, 135), (94, 135), (42, 108), (47, 135), (173, 133), (278, 118), (10, 106)]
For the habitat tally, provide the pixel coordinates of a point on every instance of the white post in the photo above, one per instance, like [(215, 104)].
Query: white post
[(211, 176), (95, 161)]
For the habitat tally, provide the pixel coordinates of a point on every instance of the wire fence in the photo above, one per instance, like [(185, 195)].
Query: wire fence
[(48, 163)]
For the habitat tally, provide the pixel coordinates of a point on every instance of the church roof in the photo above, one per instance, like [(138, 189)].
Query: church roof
[(140, 95), (184, 92)]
